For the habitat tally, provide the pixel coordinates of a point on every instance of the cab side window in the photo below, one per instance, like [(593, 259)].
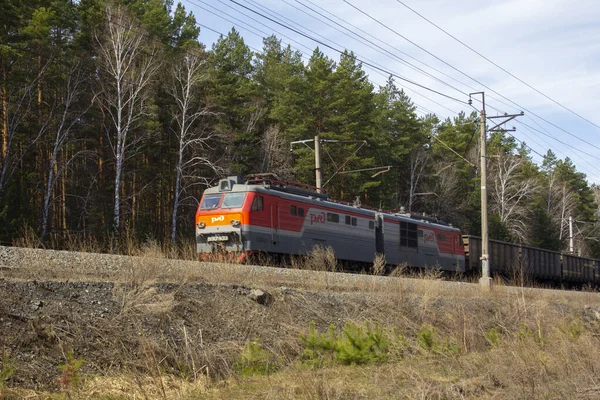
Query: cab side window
[(257, 203)]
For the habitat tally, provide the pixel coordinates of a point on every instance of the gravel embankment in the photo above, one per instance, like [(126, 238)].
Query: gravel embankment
[(28, 263), (44, 260)]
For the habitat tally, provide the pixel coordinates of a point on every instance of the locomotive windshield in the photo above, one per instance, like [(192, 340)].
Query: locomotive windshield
[(233, 200), (210, 201)]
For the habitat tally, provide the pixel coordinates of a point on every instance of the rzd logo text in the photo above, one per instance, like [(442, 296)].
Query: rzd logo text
[(317, 218), (429, 237), (218, 219)]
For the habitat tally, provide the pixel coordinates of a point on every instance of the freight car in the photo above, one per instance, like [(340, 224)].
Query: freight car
[(522, 261), (264, 215)]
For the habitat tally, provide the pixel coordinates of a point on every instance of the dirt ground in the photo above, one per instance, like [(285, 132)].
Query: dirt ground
[(115, 327), (196, 326)]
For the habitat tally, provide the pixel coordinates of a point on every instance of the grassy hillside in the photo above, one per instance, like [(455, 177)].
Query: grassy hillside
[(146, 326)]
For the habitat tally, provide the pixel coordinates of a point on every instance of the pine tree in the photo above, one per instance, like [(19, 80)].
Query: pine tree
[(399, 141), (233, 94)]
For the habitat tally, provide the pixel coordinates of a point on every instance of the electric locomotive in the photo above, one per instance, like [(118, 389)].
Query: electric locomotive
[(264, 215)]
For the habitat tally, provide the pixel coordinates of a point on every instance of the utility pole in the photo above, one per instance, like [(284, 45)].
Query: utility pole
[(571, 246), (486, 279), (318, 172), (318, 176), (317, 142)]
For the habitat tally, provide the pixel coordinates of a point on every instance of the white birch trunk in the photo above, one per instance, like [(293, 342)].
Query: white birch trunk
[(129, 69), (192, 140), (510, 190), (68, 120)]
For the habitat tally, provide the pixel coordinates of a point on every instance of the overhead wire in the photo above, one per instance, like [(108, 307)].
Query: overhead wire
[(371, 44), (242, 22), (252, 30), (357, 28), (547, 134), (549, 146), (353, 33), (341, 52), (498, 66), (376, 70), (559, 141), (425, 109), (304, 57), (276, 14), (315, 40), (368, 63), (461, 72)]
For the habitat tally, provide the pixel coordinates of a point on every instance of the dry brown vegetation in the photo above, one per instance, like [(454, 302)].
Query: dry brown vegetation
[(156, 328)]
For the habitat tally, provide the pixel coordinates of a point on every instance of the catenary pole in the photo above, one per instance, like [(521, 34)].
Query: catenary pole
[(571, 245), (486, 280), (318, 176)]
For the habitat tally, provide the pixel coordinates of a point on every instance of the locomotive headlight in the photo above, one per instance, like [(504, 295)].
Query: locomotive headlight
[(201, 225), (235, 222)]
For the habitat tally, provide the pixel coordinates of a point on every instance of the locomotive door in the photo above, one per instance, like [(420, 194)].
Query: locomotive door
[(455, 253), (274, 226), (379, 248)]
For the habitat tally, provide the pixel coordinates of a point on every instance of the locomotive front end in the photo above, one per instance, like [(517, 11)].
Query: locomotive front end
[(220, 218)]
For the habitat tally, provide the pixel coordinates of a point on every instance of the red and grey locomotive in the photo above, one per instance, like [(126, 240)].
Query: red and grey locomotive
[(266, 215)]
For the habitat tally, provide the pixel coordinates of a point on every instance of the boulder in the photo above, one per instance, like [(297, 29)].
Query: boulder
[(261, 297)]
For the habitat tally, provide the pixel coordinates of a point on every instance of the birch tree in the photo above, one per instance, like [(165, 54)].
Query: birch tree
[(565, 194), (510, 192), (128, 66), (194, 142), (67, 120), (275, 153), (418, 160), (564, 206), (449, 199)]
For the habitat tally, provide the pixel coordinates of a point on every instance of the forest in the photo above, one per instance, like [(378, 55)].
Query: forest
[(115, 118)]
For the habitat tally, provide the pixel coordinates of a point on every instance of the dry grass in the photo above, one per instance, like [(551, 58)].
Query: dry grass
[(379, 264), (561, 363), (538, 353), (510, 342), (320, 258), (28, 238)]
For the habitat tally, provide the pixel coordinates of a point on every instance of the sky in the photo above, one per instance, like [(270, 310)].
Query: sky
[(551, 46)]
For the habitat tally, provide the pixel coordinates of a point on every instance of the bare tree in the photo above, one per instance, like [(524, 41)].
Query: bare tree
[(561, 202), (275, 153), (509, 193), (564, 205), (418, 160), (194, 141), (62, 127), (449, 199), (128, 66), (596, 190)]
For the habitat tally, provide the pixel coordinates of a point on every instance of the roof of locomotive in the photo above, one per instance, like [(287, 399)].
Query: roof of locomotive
[(320, 199)]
